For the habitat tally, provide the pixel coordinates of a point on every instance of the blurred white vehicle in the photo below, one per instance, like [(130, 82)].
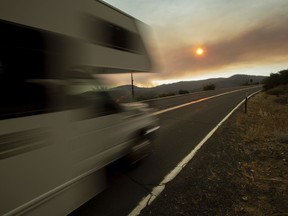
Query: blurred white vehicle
[(58, 127)]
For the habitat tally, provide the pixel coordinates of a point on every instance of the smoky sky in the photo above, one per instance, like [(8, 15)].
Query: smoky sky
[(232, 33), (265, 43)]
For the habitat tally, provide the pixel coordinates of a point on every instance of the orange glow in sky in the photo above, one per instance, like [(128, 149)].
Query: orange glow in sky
[(199, 51)]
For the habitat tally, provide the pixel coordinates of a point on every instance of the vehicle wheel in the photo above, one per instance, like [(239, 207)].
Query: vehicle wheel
[(139, 151)]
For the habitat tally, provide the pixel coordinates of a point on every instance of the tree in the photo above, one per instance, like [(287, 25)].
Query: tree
[(276, 79), (283, 77)]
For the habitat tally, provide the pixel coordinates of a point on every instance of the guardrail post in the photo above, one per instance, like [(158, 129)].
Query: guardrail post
[(132, 86), (246, 101)]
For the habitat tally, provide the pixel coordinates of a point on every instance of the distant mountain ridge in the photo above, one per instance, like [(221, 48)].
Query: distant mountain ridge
[(191, 86)]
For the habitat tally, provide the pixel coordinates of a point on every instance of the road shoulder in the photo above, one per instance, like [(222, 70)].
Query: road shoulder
[(240, 170)]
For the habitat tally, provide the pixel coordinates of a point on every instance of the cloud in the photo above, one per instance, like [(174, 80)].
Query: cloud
[(234, 33), (264, 43)]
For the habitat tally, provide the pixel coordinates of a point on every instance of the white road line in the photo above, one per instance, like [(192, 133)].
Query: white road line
[(170, 176), (197, 101)]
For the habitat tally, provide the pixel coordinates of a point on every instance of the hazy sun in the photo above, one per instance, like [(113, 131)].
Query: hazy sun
[(199, 51)]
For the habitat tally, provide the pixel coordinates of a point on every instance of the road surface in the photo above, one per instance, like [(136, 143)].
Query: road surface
[(182, 128)]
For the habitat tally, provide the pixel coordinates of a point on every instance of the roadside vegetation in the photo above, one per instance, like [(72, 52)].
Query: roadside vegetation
[(241, 170), (208, 87), (276, 83), (264, 149), (182, 91)]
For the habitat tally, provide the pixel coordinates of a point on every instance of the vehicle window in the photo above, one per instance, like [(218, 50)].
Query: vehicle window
[(110, 35), (1, 69), (22, 58), (90, 93), (21, 99)]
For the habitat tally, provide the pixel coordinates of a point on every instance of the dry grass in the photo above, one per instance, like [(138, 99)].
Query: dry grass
[(265, 119), (264, 132), (241, 170)]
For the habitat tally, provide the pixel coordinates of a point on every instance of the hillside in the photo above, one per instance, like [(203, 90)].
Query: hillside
[(191, 86)]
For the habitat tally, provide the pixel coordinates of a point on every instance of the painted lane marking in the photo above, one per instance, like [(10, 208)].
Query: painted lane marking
[(170, 176), (197, 101)]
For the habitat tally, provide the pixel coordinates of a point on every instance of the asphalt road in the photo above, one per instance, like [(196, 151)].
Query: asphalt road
[(181, 130)]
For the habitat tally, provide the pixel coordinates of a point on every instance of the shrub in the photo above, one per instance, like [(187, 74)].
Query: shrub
[(278, 90), (209, 87), (166, 94), (181, 91)]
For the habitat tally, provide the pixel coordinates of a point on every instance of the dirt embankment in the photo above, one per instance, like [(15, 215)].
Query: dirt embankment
[(241, 170)]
